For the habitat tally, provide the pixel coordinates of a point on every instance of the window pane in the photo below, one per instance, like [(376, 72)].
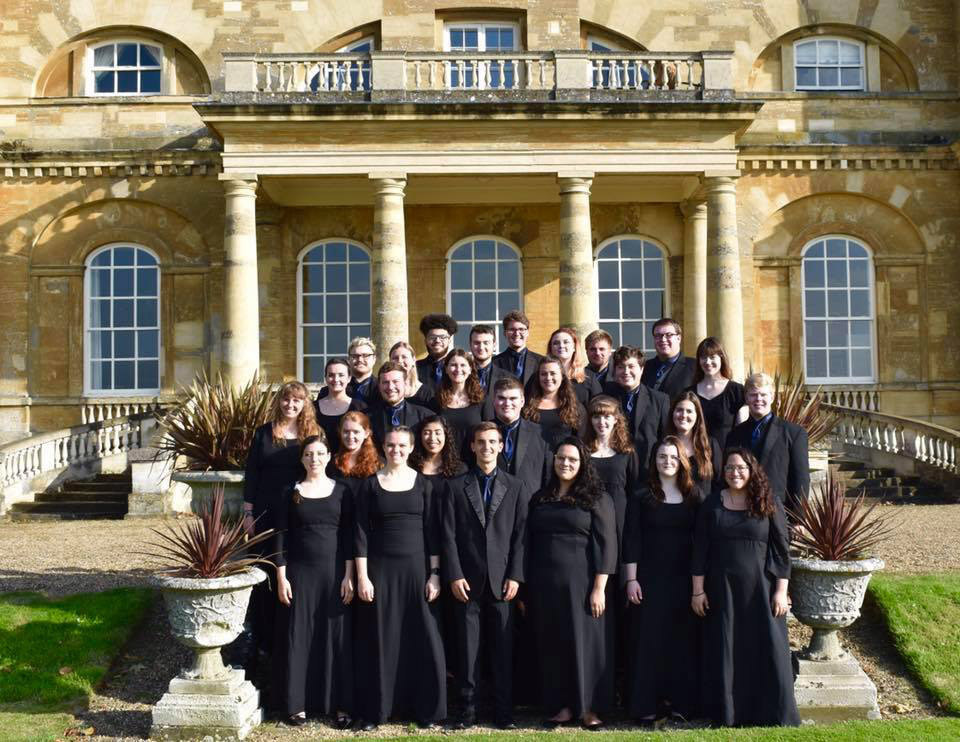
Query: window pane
[(123, 344), (313, 370), (149, 55), (849, 53), (336, 308), (337, 341), (102, 259), (653, 304), (839, 363), (816, 304), (100, 343), (806, 53), (123, 313), (123, 256), (829, 52), (461, 305), (146, 282), (861, 362), (829, 77), (632, 304), (148, 344), (360, 308), (607, 275), (505, 253), (633, 334), (127, 81), (336, 252), (816, 363), (101, 376), (312, 279), (456, 38), (103, 56), (471, 39), (860, 303), (860, 333), (614, 330), (313, 309), (859, 273), (484, 249), (837, 334), (356, 331), (850, 77), (104, 82), (609, 252), (609, 305), (147, 312), (631, 248), (856, 251), (837, 303), (806, 77), (336, 277), (631, 274), (815, 251), (100, 313), (123, 377), (836, 248), (148, 373), (313, 341), (836, 273), (150, 81), (813, 273), (123, 282), (99, 283), (509, 275), (653, 274), (357, 255), (484, 275), (485, 306), (360, 276), (127, 55), (816, 334), (509, 300)]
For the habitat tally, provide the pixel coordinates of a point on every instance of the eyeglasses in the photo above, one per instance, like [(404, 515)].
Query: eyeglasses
[(665, 335), (517, 331), (736, 469), (437, 338), (359, 356)]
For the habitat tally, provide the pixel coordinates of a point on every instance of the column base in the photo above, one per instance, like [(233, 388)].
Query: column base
[(838, 690), (226, 709)]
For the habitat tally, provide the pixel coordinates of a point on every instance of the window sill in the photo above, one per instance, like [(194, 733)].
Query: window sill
[(104, 100), (848, 94)]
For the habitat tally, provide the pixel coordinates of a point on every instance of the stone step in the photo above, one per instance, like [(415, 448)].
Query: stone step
[(22, 517), (95, 486), (119, 496), (70, 506)]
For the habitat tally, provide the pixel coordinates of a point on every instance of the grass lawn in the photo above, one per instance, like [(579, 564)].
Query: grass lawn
[(923, 614), (54, 652)]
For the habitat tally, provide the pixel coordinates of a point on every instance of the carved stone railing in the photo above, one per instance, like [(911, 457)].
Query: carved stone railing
[(866, 399), (926, 446), (93, 411), (386, 75)]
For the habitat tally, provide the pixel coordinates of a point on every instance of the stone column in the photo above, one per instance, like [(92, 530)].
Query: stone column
[(388, 264), (578, 296), (694, 274), (725, 318), (240, 336)]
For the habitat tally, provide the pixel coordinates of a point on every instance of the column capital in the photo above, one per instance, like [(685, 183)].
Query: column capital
[(239, 186), (388, 184), (575, 182), (694, 208), (719, 179)]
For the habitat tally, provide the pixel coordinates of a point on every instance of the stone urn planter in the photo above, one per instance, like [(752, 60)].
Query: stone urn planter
[(201, 484), (207, 699), (827, 596)]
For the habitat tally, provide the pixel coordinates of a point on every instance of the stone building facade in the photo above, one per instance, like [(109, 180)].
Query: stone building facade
[(226, 186)]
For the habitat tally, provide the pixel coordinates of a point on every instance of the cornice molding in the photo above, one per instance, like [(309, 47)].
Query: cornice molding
[(793, 159), (65, 165)]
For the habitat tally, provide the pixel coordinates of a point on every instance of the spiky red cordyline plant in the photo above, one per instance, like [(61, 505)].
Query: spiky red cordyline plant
[(207, 546), (829, 525)]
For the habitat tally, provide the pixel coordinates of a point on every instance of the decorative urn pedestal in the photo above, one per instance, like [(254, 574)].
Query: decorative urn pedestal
[(208, 700), (201, 485), (827, 596)]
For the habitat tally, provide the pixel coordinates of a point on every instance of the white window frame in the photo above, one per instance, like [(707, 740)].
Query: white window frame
[(481, 27), (300, 322), (838, 66), (496, 322), (871, 287), (88, 389), (664, 257), (90, 76)]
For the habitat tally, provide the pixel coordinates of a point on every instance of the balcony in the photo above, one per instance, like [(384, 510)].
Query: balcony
[(437, 77)]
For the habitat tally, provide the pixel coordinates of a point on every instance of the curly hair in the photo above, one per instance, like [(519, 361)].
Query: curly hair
[(472, 386), (702, 453), (306, 420), (450, 464), (685, 481), (711, 347), (620, 440), (569, 408), (368, 462), (585, 491), (320, 437), (577, 361), (760, 503)]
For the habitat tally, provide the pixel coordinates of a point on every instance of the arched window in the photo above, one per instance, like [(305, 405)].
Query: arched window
[(483, 284), (122, 321), (838, 311), (125, 68), (333, 303), (828, 64), (631, 289)]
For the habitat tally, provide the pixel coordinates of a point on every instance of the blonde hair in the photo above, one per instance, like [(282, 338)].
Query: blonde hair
[(358, 341), (758, 380), (306, 420), (412, 371)]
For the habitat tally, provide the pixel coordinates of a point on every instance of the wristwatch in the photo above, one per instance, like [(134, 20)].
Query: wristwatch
[(435, 571)]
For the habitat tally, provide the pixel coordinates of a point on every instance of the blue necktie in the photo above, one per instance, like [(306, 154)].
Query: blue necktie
[(755, 435), (483, 375), (486, 490), (662, 370), (395, 417), (521, 357), (438, 371), (508, 444), (363, 389), (631, 401)]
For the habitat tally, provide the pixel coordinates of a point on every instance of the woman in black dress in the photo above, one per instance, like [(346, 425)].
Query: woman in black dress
[(332, 406), (273, 464), (686, 423), (553, 404), (459, 400), (740, 568), (571, 552), (565, 345), (314, 547), (721, 397), (399, 653), (657, 542), (357, 458)]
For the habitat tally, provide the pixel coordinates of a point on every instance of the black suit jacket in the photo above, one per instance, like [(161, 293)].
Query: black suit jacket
[(484, 544), (532, 459), (380, 418), (676, 380), (602, 376), (530, 367), (651, 412), (425, 371), (352, 391), (783, 456)]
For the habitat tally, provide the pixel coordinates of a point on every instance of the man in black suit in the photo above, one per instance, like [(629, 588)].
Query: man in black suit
[(391, 407), (599, 345), (780, 446), (483, 339), (438, 331), (646, 410), (518, 359), (484, 528), (670, 372), (361, 354), (525, 454)]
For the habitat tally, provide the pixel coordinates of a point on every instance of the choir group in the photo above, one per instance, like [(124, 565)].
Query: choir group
[(570, 530)]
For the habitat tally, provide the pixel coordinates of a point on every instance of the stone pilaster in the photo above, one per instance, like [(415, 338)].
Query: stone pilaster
[(578, 296), (240, 338), (725, 317), (694, 274), (388, 264)]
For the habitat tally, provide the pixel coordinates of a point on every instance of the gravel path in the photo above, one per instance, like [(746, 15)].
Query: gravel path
[(60, 558)]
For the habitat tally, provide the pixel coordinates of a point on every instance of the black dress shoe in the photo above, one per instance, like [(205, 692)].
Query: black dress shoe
[(342, 722), (296, 720), (366, 726), (428, 725), (467, 719), (595, 727), (506, 723)]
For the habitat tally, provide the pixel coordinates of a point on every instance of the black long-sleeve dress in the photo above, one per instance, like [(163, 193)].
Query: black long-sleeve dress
[(330, 424), (553, 429), (568, 546), (314, 540), (664, 660), (747, 672), (462, 420), (720, 413), (399, 652)]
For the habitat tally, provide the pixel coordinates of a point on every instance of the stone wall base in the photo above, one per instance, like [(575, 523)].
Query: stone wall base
[(828, 691), (225, 709)]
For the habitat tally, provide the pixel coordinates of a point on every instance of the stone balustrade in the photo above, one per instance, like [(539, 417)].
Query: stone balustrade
[(385, 74), (865, 399), (94, 411)]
